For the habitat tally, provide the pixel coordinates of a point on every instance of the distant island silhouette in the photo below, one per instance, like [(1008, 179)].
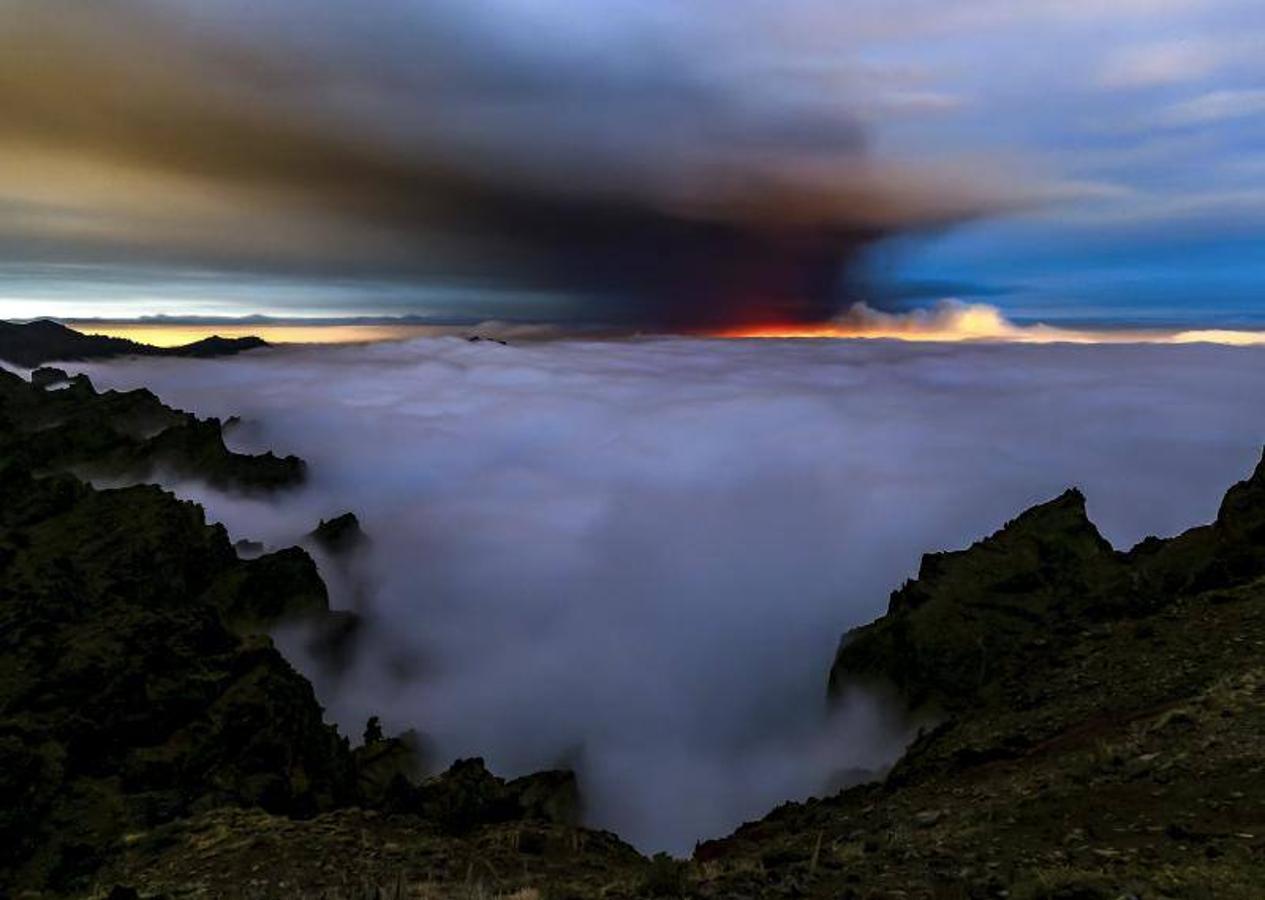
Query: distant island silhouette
[(44, 340)]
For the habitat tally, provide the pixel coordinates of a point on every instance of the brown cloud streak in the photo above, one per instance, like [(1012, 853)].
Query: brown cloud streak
[(130, 135)]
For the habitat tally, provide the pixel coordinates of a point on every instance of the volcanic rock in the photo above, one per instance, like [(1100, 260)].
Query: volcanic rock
[(339, 536)]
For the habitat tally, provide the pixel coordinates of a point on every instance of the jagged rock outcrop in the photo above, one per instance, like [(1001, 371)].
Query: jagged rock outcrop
[(126, 698), (336, 639), (976, 621), (339, 536), (468, 795), (387, 767), (127, 435), (1226, 552), (137, 686), (213, 346), (463, 797), (48, 377), (956, 632), (1099, 728), (195, 449), (34, 343), (257, 593)]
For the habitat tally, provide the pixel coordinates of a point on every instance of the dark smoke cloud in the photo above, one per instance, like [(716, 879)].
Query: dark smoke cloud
[(447, 141), (637, 557)]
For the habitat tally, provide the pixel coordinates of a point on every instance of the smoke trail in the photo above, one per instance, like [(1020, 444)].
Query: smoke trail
[(623, 168)]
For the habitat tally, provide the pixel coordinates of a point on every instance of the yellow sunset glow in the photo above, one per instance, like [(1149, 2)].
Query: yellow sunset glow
[(172, 335)]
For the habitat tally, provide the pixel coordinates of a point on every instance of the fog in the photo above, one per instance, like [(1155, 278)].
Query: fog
[(636, 558)]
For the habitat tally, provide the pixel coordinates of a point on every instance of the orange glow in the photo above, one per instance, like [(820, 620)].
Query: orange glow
[(947, 321), (953, 321)]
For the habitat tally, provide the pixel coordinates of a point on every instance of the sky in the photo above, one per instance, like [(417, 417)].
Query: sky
[(645, 165)]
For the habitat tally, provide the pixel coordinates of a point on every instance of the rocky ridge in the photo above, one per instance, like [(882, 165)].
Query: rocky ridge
[(138, 686), (60, 423), (1095, 725), (32, 344)]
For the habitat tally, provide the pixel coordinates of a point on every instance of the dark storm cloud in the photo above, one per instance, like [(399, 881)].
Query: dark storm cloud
[(470, 142)]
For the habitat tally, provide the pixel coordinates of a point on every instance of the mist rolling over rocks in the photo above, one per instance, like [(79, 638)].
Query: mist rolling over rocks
[(636, 558)]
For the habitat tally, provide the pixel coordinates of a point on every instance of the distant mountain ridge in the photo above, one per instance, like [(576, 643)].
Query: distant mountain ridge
[(35, 343)]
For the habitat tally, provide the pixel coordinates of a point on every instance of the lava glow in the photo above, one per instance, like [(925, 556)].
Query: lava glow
[(953, 321)]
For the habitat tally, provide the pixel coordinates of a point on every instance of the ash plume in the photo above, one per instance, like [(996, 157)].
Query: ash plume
[(625, 170)]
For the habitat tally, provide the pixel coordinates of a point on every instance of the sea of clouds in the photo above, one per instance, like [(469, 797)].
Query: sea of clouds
[(636, 558)]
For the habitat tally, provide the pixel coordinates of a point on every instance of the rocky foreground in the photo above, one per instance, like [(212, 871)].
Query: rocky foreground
[(1099, 725), (1094, 720), (137, 684)]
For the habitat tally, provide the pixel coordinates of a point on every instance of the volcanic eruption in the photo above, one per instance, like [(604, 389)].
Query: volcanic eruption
[(635, 188)]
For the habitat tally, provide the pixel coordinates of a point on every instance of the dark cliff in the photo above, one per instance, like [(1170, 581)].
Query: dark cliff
[(138, 687)]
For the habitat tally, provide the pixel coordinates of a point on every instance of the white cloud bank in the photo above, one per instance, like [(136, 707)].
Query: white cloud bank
[(637, 557), (951, 321)]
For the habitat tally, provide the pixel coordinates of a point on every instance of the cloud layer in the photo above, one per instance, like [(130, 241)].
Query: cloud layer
[(636, 557)]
